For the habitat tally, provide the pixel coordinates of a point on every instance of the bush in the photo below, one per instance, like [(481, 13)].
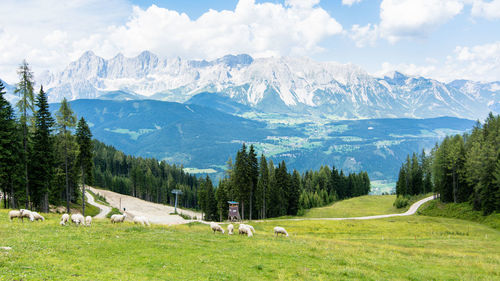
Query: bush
[(114, 211), (401, 202)]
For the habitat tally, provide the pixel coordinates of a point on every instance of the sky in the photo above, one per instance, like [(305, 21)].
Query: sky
[(440, 39)]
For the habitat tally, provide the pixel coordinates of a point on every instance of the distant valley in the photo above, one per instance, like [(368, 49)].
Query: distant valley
[(202, 139)]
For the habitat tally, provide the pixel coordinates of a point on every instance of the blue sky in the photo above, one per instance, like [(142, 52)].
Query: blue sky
[(442, 39)]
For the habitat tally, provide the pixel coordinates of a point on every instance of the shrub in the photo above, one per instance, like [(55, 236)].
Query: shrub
[(401, 202), (114, 211)]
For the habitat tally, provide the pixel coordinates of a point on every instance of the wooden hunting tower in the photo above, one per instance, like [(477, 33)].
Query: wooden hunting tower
[(234, 213)]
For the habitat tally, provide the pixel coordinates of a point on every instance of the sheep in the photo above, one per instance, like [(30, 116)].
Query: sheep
[(244, 229), (118, 218), (77, 219), (230, 229), (216, 227), (27, 214), (280, 230), (37, 216), (64, 219), (88, 220), (141, 220), (249, 226), (15, 214)]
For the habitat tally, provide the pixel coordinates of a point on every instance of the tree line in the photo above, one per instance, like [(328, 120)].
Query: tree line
[(463, 168), (42, 159), (264, 190)]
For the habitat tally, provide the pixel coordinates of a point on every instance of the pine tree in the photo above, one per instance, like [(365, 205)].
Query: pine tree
[(9, 149), (84, 140), (294, 194), (26, 104), (253, 176), (263, 187), (42, 160), (66, 120)]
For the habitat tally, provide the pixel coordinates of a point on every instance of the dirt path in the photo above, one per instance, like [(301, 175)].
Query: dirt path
[(413, 209), (156, 213), (104, 209)]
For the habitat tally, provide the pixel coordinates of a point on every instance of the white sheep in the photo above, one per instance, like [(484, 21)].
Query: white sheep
[(37, 216), (118, 218), (27, 214), (77, 219), (216, 227), (141, 220), (15, 214), (88, 220), (244, 229), (249, 226), (64, 219), (280, 230), (230, 229)]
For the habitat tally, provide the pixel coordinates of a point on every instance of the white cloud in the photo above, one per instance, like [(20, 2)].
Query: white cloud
[(364, 35), (51, 39), (415, 18), (478, 63), (489, 10), (350, 2)]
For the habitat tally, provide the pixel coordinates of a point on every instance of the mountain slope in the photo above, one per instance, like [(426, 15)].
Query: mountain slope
[(272, 85)]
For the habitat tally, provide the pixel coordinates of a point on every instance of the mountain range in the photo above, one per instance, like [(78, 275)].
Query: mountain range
[(273, 85)]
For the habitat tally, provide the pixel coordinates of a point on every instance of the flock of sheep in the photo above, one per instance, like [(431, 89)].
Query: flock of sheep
[(244, 229), (78, 219)]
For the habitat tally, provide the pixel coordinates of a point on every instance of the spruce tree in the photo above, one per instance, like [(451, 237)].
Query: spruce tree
[(66, 120), (9, 149), (253, 176), (263, 187), (25, 105), (84, 140), (42, 159)]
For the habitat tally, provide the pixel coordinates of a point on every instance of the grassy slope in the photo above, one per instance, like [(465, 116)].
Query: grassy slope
[(368, 205), (462, 211), (355, 207), (416, 248)]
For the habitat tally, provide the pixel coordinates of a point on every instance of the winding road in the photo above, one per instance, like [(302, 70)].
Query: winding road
[(104, 209), (160, 214)]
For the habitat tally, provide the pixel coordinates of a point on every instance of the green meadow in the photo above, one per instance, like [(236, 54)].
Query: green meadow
[(403, 248)]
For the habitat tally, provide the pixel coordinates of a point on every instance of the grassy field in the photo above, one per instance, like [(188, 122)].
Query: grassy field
[(356, 207), (368, 205), (404, 248), (462, 211)]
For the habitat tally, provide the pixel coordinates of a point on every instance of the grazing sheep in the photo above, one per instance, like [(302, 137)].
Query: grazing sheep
[(280, 230), (230, 229), (15, 214), (216, 227), (77, 219), (244, 229), (64, 219), (118, 218), (88, 220), (37, 216), (141, 220), (249, 226), (27, 214)]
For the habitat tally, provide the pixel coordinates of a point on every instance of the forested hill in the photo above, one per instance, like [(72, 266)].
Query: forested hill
[(463, 168)]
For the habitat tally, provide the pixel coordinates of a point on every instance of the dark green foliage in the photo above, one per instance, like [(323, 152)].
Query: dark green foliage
[(280, 193), (11, 156), (461, 169), (84, 159), (401, 202), (207, 201), (148, 179), (41, 166), (25, 104)]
